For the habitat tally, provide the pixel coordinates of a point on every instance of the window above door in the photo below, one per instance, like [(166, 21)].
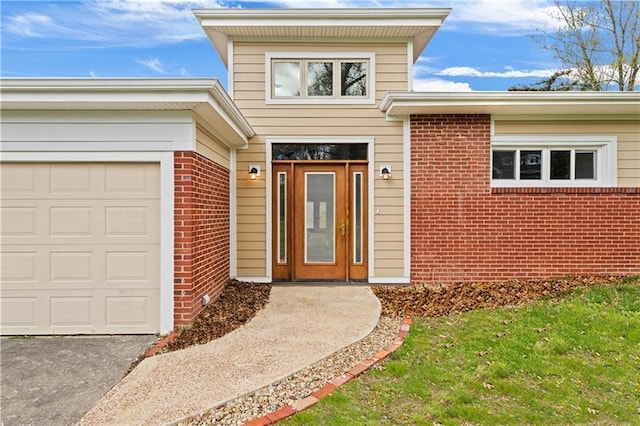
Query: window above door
[(320, 78)]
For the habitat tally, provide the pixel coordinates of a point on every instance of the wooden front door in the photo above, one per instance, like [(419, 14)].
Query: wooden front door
[(319, 221)]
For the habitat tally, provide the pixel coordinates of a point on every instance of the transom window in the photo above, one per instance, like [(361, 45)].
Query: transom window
[(320, 79), (553, 162)]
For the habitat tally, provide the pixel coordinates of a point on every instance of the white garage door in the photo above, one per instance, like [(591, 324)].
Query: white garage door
[(80, 249)]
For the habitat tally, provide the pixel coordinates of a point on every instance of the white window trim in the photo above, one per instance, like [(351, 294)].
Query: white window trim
[(606, 148), (371, 77)]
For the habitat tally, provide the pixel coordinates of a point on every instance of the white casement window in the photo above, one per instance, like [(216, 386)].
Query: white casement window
[(320, 78), (547, 161)]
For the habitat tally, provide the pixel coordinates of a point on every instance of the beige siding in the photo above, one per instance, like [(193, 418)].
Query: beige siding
[(319, 120), (210, 147), (627, 132)]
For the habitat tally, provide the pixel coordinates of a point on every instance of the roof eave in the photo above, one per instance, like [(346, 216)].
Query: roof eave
[(206, 97), (398, 104), (216, 22)]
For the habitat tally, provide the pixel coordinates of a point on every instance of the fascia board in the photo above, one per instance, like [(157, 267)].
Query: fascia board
[(8, 85), (304, 14), (406, 103), (124, 94)]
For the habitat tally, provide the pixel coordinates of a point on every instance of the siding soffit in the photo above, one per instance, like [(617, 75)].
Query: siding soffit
[(415, 24)]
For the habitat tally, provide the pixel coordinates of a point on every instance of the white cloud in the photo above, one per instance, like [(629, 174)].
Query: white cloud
[(509, 73), (512, 17), (184, 72), (92, 74), (153, 64), (143, 23), (439, 85), (28, 24), (113, 22)]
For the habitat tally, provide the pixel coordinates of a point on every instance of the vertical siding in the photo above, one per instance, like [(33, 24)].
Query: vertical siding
[(319, 120), (627, 131)]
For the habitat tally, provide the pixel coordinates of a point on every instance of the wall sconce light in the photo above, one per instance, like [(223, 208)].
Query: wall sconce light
[(385, 172), (254, 171)]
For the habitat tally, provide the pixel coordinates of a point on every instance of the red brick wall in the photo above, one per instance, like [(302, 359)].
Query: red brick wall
[(462, 230), (201, 221)]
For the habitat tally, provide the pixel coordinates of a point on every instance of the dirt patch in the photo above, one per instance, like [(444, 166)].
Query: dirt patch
[(238, 303), (432, 301)]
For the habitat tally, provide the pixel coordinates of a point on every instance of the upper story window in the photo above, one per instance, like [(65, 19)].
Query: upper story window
[(320, 78), (578, 161)]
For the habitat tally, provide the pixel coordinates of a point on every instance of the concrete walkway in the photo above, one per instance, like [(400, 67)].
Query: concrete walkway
[(299, 326)]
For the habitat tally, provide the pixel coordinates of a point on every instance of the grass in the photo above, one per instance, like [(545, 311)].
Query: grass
[(571, 359)]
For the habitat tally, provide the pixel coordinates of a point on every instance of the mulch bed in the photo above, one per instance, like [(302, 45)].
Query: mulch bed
[(240, 301), (432, 301), (237, 304)]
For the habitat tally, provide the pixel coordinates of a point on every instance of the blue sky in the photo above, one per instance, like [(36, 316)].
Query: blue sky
[(483, 44)]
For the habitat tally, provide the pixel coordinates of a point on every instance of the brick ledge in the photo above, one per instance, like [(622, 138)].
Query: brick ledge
[(304, 403), (629, 190)]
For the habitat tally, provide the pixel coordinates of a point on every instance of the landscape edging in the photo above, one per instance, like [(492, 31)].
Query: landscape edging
[(310, 400)]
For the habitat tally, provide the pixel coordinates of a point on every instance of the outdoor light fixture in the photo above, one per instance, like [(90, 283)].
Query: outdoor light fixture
[(385, 172), (254, 171)]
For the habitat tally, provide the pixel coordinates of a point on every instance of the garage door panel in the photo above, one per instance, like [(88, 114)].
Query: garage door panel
[(19, 221), (131, 221), (75, 257), (20, 312), (70, 221), (123, 311), (76, 180), (19, 266), (71, 311), (128, 181), (76, 267), (17, 180)]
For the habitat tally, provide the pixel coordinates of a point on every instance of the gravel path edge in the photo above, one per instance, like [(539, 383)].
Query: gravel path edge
[(322, 390), (315, 397)]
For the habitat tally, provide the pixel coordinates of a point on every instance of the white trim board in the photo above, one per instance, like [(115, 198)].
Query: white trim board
[(406, 157), (233, 211), (166, 208), (389, 280)]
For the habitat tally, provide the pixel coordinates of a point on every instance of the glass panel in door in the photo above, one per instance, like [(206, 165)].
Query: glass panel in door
[(320, 222), (320, 217)]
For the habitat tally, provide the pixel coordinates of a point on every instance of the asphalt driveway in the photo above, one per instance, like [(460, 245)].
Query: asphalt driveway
[(56, 380)]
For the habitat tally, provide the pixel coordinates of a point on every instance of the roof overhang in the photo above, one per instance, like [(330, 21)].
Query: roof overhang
[(416, 24), (204, 97), (399, 104)]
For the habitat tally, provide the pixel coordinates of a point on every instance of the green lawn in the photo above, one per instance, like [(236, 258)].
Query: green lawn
[(571, 359)]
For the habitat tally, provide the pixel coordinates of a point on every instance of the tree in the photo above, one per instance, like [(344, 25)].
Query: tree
[(559, 81), (599, 41)]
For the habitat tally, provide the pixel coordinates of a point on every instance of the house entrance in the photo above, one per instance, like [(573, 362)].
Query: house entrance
[(319, 220)]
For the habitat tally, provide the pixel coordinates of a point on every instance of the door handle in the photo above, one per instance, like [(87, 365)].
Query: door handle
[(343, 228)]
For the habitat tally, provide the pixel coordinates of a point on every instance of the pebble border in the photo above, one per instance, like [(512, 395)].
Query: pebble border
[(304, 403)]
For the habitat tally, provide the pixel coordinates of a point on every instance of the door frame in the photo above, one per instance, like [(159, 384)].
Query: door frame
[(269, 140), (291, 175)]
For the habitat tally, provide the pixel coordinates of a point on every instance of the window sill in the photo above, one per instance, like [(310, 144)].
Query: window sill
[(328, 101), (565, 190)]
